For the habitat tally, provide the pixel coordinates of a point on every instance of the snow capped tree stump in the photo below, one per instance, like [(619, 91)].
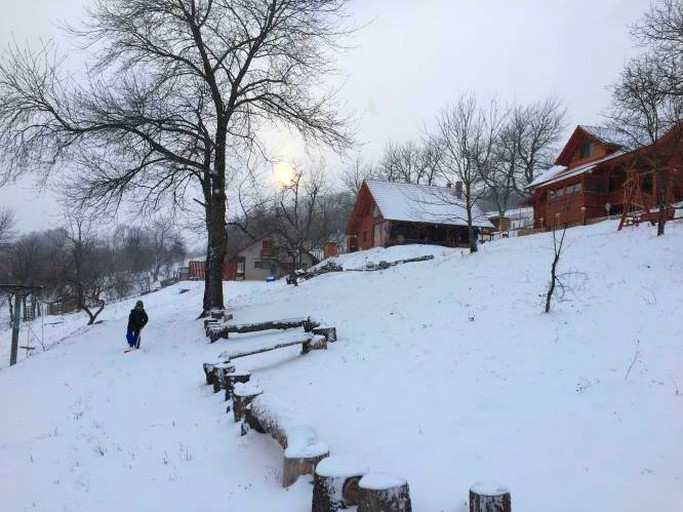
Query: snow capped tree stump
[(304, 451), (381, 492), (242, 396), (218, 371), (335, 484), (232, 378), (330, 333), (490, 497)]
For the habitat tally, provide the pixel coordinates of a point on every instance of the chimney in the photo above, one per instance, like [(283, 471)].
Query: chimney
[(458, 189)]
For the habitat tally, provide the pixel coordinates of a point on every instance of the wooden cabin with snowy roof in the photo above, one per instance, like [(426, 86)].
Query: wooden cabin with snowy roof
[(597, 175), (390, 213)]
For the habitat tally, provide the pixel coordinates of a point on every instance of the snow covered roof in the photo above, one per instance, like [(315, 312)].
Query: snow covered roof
[(422, 203), (607, 135), (560, 172)]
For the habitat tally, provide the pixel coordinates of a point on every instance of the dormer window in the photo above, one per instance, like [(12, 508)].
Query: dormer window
[(587, 149)]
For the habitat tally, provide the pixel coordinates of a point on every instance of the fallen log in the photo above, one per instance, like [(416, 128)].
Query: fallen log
[(303, 449), (223, 331), (266, 343)]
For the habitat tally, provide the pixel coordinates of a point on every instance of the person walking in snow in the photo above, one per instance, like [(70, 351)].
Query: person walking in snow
[(136, 321)]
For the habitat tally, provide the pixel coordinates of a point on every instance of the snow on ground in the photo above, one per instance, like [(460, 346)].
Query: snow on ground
[(446, 373)]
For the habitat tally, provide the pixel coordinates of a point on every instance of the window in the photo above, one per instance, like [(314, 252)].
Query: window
[(551, 194), (576, 187), (647, 183), (586, 149), (559, 192), (258, 264)]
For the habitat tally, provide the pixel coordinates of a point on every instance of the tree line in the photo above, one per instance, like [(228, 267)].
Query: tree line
[(76, 264)]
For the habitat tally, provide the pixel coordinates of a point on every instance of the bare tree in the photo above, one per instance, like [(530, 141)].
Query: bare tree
[(296, 208), (660, 32), (87, 267), (410, 162), (7, 223), (533, 131), (466, 134), (556, 281), (643, 111), (176, 87), (357, 171)]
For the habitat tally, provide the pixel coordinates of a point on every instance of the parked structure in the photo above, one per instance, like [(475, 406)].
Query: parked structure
[(388, 213), (596, 176), (512, 219)]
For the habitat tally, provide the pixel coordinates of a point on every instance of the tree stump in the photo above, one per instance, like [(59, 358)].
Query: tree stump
[(208, 373), (242, 396), (381, 492), (335, 484), (232, 378), (490, 497), (218, 371), (330, 333), (296, 465)]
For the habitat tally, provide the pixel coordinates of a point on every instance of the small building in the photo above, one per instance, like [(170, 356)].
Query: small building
[(595, 176), (183, 273), (261, 259), (512, 219), (196, 270), (389, 213)]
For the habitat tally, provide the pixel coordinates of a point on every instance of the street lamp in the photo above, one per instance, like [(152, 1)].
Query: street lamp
[(608, 207)]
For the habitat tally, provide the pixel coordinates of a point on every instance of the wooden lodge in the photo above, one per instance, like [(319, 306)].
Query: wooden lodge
[(595, 176), (389, 213)]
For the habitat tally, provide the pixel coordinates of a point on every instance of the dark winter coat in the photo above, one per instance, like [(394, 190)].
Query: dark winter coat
[(137, 320)]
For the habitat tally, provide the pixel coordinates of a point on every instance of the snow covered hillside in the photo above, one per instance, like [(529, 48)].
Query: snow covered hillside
[(446, 373)]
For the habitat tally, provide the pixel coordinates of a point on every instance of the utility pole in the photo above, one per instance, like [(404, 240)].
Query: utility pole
[(16, 322)]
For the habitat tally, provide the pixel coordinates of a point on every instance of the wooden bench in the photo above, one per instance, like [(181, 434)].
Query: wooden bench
[(222, 330), (303, 449), (267, 342)]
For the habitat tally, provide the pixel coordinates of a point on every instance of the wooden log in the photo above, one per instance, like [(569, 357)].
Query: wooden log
[(330, 333), (381, 492), (242, 396), (490, 497), (232, 378), (335, 484)]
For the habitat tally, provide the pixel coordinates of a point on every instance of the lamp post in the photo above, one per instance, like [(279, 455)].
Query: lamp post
[(608, 207), (583, 215)]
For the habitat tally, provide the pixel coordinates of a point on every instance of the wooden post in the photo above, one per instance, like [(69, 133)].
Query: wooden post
[(242, 396), (380, 492), (489, 497), (335, 484), (15, 329), (330, 333)]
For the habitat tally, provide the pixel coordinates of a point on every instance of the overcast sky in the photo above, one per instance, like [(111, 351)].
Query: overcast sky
[(415, 56)]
